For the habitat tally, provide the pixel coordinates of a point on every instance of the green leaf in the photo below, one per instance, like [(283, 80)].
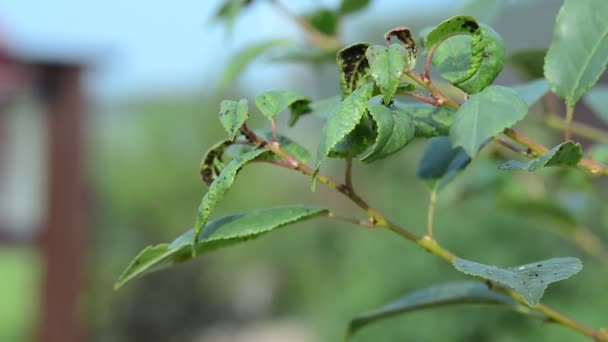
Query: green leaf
[(578, 52), (218, 233), (529, 280), (567, 153), (395, 131), (386, 67), (351, 6), (485, 115), (343, 120), (483, 10), (529, 63), (597, 99), (430, 121), (441, 162), (356, 141), (532, 91), (233, 115), (219, 187), (272, 103), (244, 57), (452, 293), (354, 67), (324, 20), (212, 164), (486, 51), (230, 9), (405, 36)]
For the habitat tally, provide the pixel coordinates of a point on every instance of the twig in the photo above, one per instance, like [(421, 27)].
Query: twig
[(316, 36), (569, 117), (431, 212)]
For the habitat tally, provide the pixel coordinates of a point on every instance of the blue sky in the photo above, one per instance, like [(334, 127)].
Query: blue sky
[(144, 46)]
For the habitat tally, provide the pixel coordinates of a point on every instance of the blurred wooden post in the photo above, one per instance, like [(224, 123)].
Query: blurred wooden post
[(62, 238)]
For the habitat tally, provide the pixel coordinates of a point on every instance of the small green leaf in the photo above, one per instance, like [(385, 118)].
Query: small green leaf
[(567, 153), (532, 91), (351, 6), (529, 63), (354, 67), (272, 103), (529, 280), (218, 233), (233, 115), (578, 52), (485, 115), (395, 131), (212, 164), (452, 293), (219, 187), (230, 9), (244, 57), (386, 67), (430, 121), (324, 20), (405, 36), (441, 162), (486, 51), (597, 99), (343, 120)]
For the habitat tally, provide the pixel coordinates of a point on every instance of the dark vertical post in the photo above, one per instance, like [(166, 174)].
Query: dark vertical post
[(62, 238)]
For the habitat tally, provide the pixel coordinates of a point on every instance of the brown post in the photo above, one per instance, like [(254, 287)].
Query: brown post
[(62, 238)]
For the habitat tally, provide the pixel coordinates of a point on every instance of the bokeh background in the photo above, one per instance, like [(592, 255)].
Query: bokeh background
[(106, 110)]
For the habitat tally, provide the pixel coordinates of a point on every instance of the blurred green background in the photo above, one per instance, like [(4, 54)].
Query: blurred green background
[(303, 283)]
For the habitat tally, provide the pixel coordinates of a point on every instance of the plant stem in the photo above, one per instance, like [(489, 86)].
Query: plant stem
[(430, 216), (317, 37), (569, 117), (348, 177), (579, 129)]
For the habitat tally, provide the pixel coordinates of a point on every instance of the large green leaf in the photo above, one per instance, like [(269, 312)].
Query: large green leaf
[(218, 233), (244, 57), (386, 67), (452, 293), (597, 99), (343, 120), (485, 115), (528, 63), (567, 153), (532, 91), (441, 162), (430, 121), (272, 103), (578, 52), (351, 6), (354, 67), (395, 130), (219, 187), (486, 51), (529, 280), (233, 115), (484, 11), (356, 141)]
